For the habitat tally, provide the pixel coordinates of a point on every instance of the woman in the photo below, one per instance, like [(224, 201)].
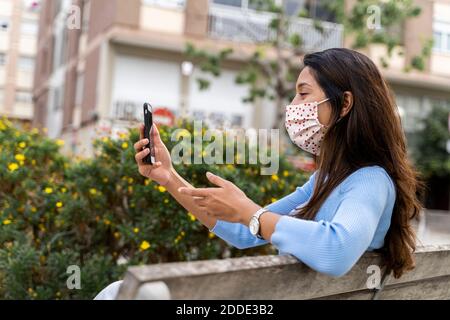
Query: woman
[(362, 196)]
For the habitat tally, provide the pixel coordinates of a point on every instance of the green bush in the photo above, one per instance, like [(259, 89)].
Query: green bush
[(101, 215)]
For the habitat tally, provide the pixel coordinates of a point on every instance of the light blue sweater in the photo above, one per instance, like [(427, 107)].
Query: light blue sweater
[(354, 218)]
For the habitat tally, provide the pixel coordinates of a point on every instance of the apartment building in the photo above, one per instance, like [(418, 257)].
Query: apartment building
[(94, 78), (18, 36)]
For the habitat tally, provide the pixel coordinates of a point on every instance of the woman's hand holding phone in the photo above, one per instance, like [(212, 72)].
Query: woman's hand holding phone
[(160, 171)]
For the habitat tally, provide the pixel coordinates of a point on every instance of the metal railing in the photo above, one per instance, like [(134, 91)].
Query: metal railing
[(253, 27)]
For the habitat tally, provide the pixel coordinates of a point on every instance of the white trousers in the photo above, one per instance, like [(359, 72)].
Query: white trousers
[(110, 292)]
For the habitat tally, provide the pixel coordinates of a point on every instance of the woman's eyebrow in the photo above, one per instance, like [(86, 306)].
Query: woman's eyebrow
[(302, 84)]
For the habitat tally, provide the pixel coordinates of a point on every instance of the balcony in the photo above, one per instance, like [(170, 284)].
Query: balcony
[(253, 27)]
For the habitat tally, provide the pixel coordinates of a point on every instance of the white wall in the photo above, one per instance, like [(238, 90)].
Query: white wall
[(223, 96), (139, 80)]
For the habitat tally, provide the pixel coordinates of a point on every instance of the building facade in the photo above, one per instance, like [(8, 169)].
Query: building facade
[(18, 37), (96, 77), (96, 74)]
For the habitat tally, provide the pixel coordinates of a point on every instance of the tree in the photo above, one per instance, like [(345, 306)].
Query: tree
[(274, 78), (433, 157)]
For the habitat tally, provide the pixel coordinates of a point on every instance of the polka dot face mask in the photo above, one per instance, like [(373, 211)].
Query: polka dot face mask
[(302, 124)]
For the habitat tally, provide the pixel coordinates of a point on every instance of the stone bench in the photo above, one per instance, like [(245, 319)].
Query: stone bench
[(284, 277)]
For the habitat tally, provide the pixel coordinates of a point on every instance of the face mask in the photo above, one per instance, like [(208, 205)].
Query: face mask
[(303, 126)]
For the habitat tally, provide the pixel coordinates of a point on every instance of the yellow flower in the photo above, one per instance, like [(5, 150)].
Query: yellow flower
[(93, 191), (122, 135), (274, 200), (107, 222), (211, 235), (144, 245), (117, 235), (6, 222), (166, 201), (59, 204), (275, 177), (48, 190), (33, 209), (22, 145), (60, 142), (34, 131), (33, 162), (105, 139), (63, 190), (191, 216), (162, 189), (125, 145), (286, 173), (148, 181), (130, 180), (20, 157), (13, 166), (136, 230)]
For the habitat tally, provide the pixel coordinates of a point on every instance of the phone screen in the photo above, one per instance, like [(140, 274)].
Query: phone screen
[(148, 127)]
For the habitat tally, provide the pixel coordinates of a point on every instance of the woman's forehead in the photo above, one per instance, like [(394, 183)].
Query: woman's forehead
[(306, 79)]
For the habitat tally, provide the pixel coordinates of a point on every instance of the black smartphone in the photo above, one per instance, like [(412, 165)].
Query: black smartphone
[(148, 127)]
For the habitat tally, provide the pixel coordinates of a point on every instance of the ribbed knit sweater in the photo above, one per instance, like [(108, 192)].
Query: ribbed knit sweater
[(353, 219)]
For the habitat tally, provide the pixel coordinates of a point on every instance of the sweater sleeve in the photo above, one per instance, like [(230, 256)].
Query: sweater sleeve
[(239, 236), (333, 247)]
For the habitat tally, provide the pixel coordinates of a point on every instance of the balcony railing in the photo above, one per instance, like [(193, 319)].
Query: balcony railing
[(253, 27)]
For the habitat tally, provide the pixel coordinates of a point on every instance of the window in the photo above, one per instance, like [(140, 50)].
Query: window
[(2, 59), (4, 24), (85, 16), (437, 38), (166, 3), (24, 97), (29, 27), (79, 90), (233, 3), (441, 36), (26, 63), (58, 97)]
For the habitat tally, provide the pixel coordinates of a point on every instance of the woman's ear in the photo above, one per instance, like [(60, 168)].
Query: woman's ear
[(348, 103)]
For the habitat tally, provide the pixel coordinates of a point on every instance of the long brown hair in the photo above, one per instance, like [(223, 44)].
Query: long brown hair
[(369, 134)]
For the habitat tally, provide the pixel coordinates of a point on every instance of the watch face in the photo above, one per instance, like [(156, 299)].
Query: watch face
[(254, 226)]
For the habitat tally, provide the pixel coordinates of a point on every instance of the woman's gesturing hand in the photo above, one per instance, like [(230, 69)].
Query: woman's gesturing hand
[(227, 202), (160, 171)]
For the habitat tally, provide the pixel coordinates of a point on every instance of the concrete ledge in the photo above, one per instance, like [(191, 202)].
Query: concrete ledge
[(284, 277)]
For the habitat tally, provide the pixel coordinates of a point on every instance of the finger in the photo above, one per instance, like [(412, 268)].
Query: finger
[(141, 131), (140, 144), (141, 155), (155, 134), (218, 181), (195, 192)]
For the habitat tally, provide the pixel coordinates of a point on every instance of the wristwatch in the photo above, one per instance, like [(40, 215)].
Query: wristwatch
[(254, 224)]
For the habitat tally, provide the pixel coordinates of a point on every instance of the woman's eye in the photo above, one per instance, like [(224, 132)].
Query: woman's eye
[(302, 94)]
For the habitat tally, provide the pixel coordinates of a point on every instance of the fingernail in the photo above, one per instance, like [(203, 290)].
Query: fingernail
[(147, 150), (145, 141), (209, 174)]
